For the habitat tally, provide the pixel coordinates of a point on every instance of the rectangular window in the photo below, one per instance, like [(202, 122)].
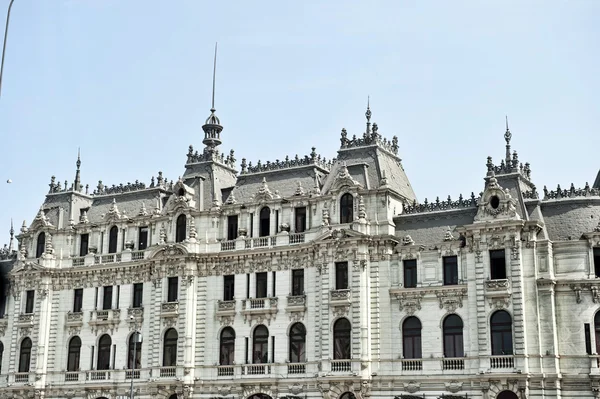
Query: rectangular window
[(84, 241), (450, 270), (77, 300), (29, 301), (246, 349), (247, 285), (228, 287), (232, 227), (410, 273), (588, 339), (118, 296), (297, 282), (341, 275), (138, 295), (2, 304), (143, 238), (273, 290), (261, 285), (252, 225), (597, 261), (273, 349), (300, 219), (172, 289), (107, 298), (497, 264)]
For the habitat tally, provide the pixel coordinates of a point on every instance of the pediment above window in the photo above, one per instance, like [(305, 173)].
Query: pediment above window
[(344, 179), (496, 203), (183, 198)]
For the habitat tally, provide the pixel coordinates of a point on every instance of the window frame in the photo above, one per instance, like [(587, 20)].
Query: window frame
[(173, 289), (134, 346), (143, 234), (25, 355), (77, 300), (260, 345), (453, 336), (29, 301), (227, 347), (104, 349), (504, 331), (297, 343), (229, 287), (346, 208), (300, 219), (342, 278), (261, 286), (170, 348), (137, 298), (232, 227), (264, 222), (107, 294), (74, 354), (342, 339), (450, 269), (409, 271), (113, 240), (412, 344), (84, 244), (297, 282), (181, 228), (498, 264), (596, 257), (40, 245)]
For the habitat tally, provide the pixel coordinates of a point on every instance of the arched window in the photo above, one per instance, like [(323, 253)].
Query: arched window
[(104, 344), (74, 353), (1, 353), (264, 228), (346, 208), (134, 350), (170, 348), (597, 330), (260, 345), (40, 247), (25, 356), (501, 328), (227, 347), (507, 395), (174, 396), (411, 338), (112, 239), (348, 395), (298, 343), (180, 228), (341, 339), (453, 336)]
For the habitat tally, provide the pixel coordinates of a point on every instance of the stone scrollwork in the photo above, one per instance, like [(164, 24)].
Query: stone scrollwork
[(409, 302), (451, 299)]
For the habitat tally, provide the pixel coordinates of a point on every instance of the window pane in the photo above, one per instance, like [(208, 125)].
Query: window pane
[(341, 275), (143, 238), (173, 287), (298, 282), (261, 285)]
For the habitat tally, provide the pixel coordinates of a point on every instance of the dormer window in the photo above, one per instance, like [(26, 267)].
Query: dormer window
[(346, 208), (494, 202), (265, 222), (40, 245), (112, 239), (181, 192), (180, 228)]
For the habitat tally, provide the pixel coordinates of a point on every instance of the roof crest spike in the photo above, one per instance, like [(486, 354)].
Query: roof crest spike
[(507, 137), (214, 78)]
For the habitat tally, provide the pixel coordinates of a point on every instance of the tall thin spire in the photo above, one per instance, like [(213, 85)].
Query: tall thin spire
[(368, 114), (212, 108), (77, 183), (507, 137), (12, 236), (212, 127)]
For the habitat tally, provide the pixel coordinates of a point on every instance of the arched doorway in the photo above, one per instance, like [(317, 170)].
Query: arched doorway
[(507, 395), (260, 396)]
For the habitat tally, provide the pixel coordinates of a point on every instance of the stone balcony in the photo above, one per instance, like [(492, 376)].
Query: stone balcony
[(259, 308), (74, 319), (282, 239), (24, 320), (101, 259), (498, 292), (104, 320), (169, 309), (296, 303), (251, 371), (340, 297)]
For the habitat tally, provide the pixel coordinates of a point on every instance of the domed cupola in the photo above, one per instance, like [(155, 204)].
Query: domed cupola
[(212, 130)]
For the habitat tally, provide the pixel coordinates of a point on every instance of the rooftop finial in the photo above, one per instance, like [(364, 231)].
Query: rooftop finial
[(368, 115), (507, 137), (214, 79), (12, 236), (77, 183), (212, 127)]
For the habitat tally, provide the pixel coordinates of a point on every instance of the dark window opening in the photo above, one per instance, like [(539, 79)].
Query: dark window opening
[(597, 331), (181, 192), (227, 347), (501, 331), (77, 300), (25, 356), (346, 208), (297, 282), (228, 287), (297, 343), (494, 202), (453, 336), (138, 294), (135, 345), (104, 345), (450, 270), (41, 245), (341, 275), (172, 289), (112, 239), (410, 273), (1, 355), (180, 227), (597, 261), (232, 227), (107, 297), (170, 348), (588, 338), (84, 243), (411, 338), (300, 220), (251, 225), (260, 345), (341, 339), (497, 264), (143, 238), (261, 285), (264, 222), (74, 354), (29, 301)]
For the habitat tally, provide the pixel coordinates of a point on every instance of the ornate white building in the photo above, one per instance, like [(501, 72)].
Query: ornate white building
[(304, 278)]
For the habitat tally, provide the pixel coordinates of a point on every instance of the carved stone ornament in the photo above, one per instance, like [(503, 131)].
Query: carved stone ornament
[(344, 179), (407, 240), (296, 388), (412, 386), (453, 386), (451, 299), (409, 302), (496, 202), (113, 213), (264, 194)]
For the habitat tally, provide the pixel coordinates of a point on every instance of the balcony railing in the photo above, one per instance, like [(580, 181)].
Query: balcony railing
[(137, 255), (296, 302), (296, 238), (453, 364), (98, 375), (24, 320), (74, 318), (132, 375), (169, 309), (21, 377), (225, 371), (412, 364), (502, 362), (256, 369), (77, 262), (228, 245), (260, 304), (339, 296), (226, 306), (296, 368), (341, 366), (72, 376), (168, 372)]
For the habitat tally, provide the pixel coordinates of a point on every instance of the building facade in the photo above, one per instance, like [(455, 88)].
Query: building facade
[(304, 278)]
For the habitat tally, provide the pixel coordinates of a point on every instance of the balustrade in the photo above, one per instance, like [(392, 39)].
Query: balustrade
[(256, 369), (412, 364), (228, 245), (168, 372), (341, 366), (296, 368), (21, 377), (296, 238), (453, 364), (225, 371), (502, 362), (98, 375), (77, 262)]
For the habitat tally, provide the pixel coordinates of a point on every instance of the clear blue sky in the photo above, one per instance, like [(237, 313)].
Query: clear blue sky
[(129, 82)]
